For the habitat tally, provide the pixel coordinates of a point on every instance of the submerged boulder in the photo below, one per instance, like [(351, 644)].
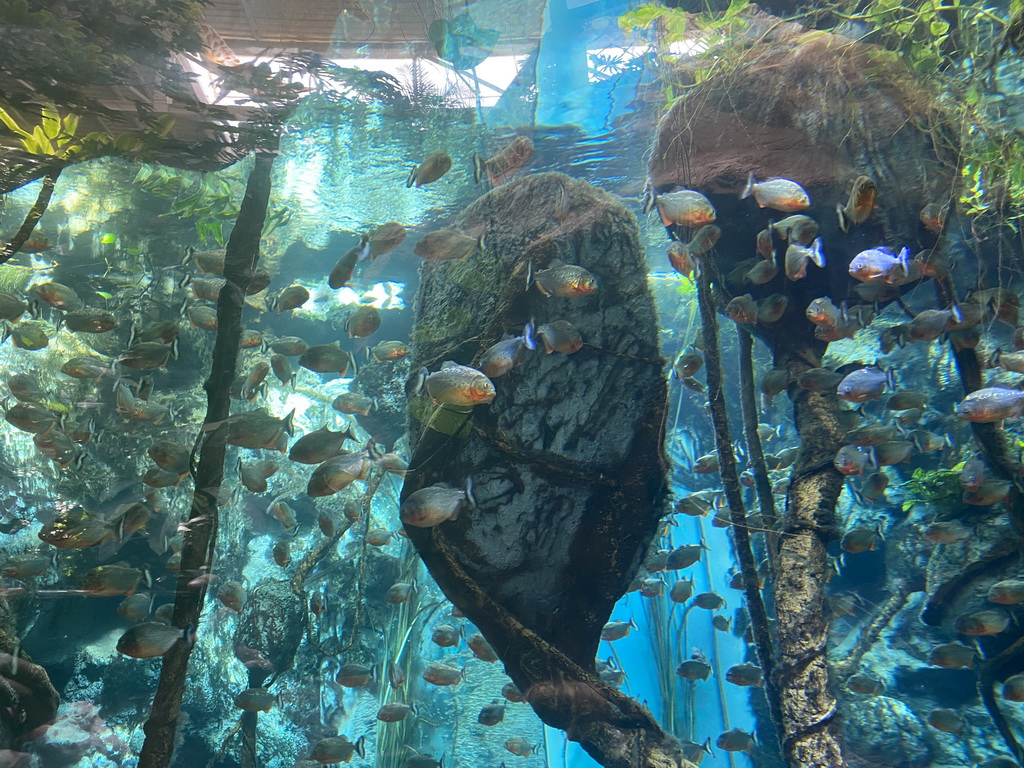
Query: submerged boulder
[(566, 461)]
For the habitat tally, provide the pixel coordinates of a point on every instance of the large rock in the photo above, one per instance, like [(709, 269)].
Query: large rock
[(885, 733), (567, 460)]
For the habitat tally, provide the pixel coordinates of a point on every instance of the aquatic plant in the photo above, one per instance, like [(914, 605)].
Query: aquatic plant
[(936, 487)]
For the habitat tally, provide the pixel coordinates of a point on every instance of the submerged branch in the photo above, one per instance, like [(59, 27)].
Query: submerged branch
[(734, 496), (32, 218), (748, 402), (200, 540)]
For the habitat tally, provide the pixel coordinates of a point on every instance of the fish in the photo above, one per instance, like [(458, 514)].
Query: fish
[(560, 336), (865, 384), (254, 476), (505, 164), (85, 368), (434, 166), (1013, 688), (745, 675), (337, 473), (282, 369), (289, 346), (337, 749), (982, 623), (684, 556), (341, 274), (57, 296), (709, 601), (861, 539), (90, 320), (399, 592), (232, 595), (353, 403), (510, 692), (947, 532), (681, 591), (764, 246), (863, 198), (652, 588), (355, 675), (395, 712), (772, 308), (32, 417), (282, 553), (439, 673), (973, 474), (207, 288), (500, 358), (28, 334), (481, 648), (797, 257), (933, 263), (865, 684), (905, 400), (79, 529), (284, 514), (25, 566), (819, 379), (11, 307), (257, 429), (855, 460), (147, 355), (152, 639), (385, 238), (423, 761), (448, 245), (1006, 592), (933, 216), (566, 281), (616, 630), (436, 504), (992, 491), (694, 669), (953, 656), (326, 358), (721, 623), (389, 350), (871, 434), (256, 700), (319, 446), (135, 607), (735, 740), (779, 194), (1013, 362), (680, 258), (521, 747), (170, 456), (292, 297), (991, 404), (742, 309), (110, 580), (445, 636), (798, 228), (204, 318), (687, 364), (491, 714), (761, 273), (773, 383), (456, 384), (878, 265), (684, 208)]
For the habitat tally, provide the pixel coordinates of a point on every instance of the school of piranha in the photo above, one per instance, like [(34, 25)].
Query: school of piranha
[(887, 425)]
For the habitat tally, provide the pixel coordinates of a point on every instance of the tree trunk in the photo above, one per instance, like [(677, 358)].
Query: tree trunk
[(34, 215), (201, 537)]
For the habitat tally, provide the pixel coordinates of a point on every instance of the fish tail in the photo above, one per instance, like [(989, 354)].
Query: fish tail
[(189, 251), (481, 243), (749, 189), (289, 422), (817, 256), (844, 223), (479, 168), (529, 281), (355, 369), (996, 356), (528, 338), (903, 261), (188, 635), (650, 199), (469, 491), (411, 179)]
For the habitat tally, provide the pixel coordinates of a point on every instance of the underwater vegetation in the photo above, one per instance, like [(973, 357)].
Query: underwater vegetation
[(346, 422)]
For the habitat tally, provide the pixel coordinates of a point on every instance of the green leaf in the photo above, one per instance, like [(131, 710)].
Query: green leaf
[(939, 28)]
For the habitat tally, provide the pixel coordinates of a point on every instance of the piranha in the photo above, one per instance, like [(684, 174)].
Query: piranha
[(481, 648), (991, 404), (865, 684), (57, 296), (395, 712), (289, 346), (681, 208), (28, 334), (353, 403), (319, 446), (110, 580), (865, 384), (385, 238), (455, 384), (434, 166), (256, 700), (292, 297), (681, 591), (341, 274), (798, 255), (742, 309), (953, 656), (521, 747), (448, 245), (779, 194), (745, 675), (389, 350), (502, 166), (878, 265), (863, 198), (152, 639), (798, 228), (861, 539), (337, 473), (491, 714), (445, 636), (507, 354), (136, 607), (1007, 592), (560, 336), (694, 669), (440, 673), (337, 749), (735, 740), (362, 322), (947, 721), (566, 281), (11, 307), (982, 623), (436, 504), (772, 308), (326, 358), (89, 320)]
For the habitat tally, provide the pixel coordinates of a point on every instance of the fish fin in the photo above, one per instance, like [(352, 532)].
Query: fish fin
[(481, 245), (816, 253), (469, 492), (844, 223), (479, 168), (958, 314), (903, 261), (872, 462), (748, 190), (707, 747), (355, 368), (189, 251), (650, 199), (289, 422), (412, 178), (529, 279), (528, 338)]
